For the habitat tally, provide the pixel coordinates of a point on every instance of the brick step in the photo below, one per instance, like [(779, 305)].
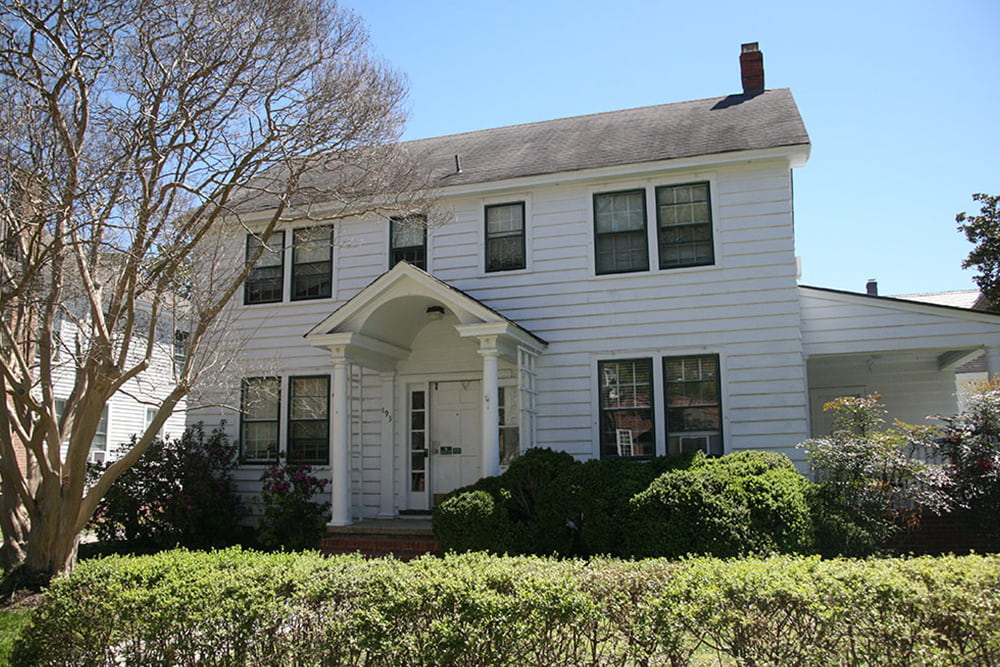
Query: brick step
[(401, 546)]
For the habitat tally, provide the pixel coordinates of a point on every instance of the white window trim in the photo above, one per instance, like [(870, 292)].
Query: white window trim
[(514, 198)]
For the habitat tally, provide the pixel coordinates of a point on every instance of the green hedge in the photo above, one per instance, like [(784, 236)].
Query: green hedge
[(236, 608)]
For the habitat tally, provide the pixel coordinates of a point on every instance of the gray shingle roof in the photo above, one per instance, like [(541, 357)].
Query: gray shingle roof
[(648, 134), (662, 132)]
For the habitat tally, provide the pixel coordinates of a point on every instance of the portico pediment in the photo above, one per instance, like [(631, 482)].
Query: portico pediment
[(378, 325)]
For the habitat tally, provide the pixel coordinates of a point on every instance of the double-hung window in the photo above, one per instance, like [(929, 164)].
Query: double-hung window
[(260, 403), (694, 404), (684, 225), (505, 237), (683, 228), (626, 407), (266, 279), (309, 419), (408, 240), (620, 231), (312, 263)]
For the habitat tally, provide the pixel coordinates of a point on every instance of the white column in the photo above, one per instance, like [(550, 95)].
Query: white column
[(387, 455), (491, 411), (992, 362), (340, 453)]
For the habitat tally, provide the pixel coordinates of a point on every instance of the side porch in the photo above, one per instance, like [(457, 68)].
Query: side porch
[(915, 355)]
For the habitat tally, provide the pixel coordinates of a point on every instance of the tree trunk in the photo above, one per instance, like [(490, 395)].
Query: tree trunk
[(52, 540)]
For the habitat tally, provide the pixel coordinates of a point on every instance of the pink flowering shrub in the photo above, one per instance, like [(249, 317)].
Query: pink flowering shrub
[(291, 519), (970, 445)]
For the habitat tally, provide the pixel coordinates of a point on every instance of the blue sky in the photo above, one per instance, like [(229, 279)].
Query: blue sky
[(900, 99)]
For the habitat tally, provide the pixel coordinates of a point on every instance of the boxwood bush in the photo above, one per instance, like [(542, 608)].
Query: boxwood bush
[(744, 503), (748, 502), (237, 607)]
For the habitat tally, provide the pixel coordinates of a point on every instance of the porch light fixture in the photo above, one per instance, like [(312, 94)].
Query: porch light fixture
[(435, 312)]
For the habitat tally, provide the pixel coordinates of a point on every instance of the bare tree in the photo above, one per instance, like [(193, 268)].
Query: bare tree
[(137, 133)]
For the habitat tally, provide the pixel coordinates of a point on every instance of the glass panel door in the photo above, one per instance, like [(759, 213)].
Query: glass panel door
[(417, 447)]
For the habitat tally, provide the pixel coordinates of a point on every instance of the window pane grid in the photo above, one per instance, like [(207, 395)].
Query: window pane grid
[(418, 444), (505, 237), (309, 419), (684, 225), (260, 408), (694, 404), (264, 282), (626, 399), (408, 241), (312, 263), (620, 232)]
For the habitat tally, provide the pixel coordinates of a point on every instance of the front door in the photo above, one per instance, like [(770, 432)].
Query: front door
[(455, 436)]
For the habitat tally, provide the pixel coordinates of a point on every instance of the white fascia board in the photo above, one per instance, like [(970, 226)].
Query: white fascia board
[(796, 156), (426, 285), (894, 303)]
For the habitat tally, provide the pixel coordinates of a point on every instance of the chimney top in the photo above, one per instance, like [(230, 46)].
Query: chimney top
[(872, 287), (752, 68)]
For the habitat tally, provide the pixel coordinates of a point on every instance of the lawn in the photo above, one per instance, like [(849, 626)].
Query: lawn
[(13, 618)]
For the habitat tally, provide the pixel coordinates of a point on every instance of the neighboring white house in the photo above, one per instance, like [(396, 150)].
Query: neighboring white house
[(132, 409), (621, 284)]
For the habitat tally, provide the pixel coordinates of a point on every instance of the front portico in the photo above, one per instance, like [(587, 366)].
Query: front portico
[(437, 353)]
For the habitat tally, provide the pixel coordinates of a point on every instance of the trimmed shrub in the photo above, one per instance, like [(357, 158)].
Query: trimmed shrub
[(547, 504), (236, 607), (743, 503), (585, 511), (473, 521)]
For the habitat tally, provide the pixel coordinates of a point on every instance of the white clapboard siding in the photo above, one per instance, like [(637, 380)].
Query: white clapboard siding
[(745, 307), (842, 323)]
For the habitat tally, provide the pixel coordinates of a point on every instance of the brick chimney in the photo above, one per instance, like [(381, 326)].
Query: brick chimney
[(752, 68)]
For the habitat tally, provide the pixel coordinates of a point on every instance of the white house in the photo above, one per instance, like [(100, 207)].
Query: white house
[(620, 284), (132, 409)]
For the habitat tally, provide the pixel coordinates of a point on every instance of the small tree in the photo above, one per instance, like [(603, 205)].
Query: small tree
[(179, 492), (984, 231), (970, 443), (136, 135), (869, 473)]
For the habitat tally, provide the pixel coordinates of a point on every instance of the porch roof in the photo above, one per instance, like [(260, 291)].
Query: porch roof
[(378, 325), (838, 322)]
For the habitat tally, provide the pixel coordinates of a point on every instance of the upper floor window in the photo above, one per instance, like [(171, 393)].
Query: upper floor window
[(626, 407), (683, 228), (684, 225), (408, 240), (266, 278), (312, 263), (260, 405), (309, 419), (505, 237), (620, 232), (694, 404)]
